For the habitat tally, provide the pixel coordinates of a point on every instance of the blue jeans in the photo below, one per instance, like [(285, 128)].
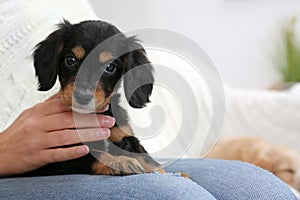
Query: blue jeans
[(212, 179)]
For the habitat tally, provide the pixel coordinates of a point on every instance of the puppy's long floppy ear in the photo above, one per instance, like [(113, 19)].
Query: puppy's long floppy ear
[(45, 57), (135, 58)]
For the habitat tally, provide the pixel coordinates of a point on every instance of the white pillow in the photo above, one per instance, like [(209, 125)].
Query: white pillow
[(164, 139), (272, 115)]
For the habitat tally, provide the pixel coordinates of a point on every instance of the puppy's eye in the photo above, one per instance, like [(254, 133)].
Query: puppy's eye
[(70, 61), (290, 171), (110, 68)]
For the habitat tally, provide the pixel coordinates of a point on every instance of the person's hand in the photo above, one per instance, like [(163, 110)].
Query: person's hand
[(35, 138)]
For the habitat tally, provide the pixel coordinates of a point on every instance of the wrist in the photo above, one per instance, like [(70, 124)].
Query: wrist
[(4, 169)]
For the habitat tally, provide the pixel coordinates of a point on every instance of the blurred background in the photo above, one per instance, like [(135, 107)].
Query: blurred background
[(242, 37), (255, 46)]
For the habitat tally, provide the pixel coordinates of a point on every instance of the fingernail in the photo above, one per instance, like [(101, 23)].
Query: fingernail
[(107, 121), (103, 133), (104, 109), (83, 150)]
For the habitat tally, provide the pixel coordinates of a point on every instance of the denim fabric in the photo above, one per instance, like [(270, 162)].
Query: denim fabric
[(212, 179), (234, 180)]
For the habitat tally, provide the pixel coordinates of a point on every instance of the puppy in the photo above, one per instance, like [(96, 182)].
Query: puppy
[(62, 55), (283, 161)]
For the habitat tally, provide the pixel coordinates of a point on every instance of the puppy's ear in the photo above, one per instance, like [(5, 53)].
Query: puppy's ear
[(139, 97), (46, 58)]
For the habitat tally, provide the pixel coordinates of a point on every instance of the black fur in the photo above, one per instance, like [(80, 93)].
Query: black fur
[(135, 59), (49, 57), (48, 60), (46, 57)]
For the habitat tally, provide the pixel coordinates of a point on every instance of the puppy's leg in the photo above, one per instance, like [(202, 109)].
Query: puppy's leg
[(123, 138), (108, 164)]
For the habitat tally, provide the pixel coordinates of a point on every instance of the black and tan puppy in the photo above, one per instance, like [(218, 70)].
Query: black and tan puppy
[(61, 55)]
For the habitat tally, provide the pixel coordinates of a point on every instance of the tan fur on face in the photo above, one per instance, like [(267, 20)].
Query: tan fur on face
[(283, 161), (78, 52), (66, 94), (105, 56), (100, 100), (60, 47)]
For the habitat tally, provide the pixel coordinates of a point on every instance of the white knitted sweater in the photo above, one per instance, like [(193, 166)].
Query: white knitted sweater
[(22, 25)]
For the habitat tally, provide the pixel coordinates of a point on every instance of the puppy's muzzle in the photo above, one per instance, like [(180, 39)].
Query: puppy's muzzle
[(81, 98)]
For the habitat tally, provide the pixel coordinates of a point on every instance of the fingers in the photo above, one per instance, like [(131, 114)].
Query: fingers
[(63, 154), (68, 120), (68, 137), (104, 109)]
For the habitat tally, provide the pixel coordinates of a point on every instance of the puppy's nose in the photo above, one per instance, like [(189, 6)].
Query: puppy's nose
[(82, 98)]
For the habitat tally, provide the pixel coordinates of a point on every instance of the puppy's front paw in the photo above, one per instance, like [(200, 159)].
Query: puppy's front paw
[(126, 165), (117, 165), (185, 175)]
